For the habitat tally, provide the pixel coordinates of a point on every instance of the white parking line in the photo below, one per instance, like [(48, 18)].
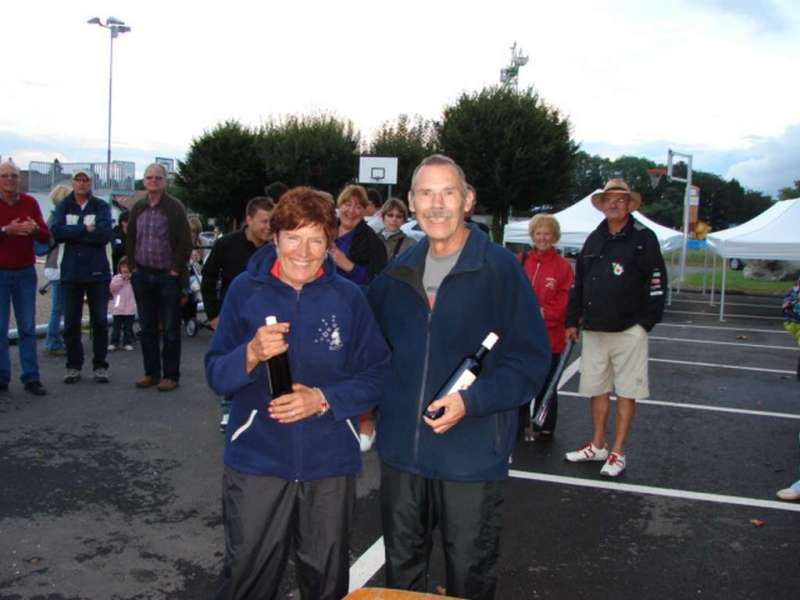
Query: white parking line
[(708, 407), (655, 491), (721, 328), (720, 366), (367, 565), (740, 344), (676, 298), (727, 316)]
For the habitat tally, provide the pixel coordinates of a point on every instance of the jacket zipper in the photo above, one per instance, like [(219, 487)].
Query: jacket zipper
[(535, 274), (298, 427), (421, 404), (497, 432)]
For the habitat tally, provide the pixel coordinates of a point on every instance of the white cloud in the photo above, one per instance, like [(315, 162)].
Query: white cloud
[(773, 163)]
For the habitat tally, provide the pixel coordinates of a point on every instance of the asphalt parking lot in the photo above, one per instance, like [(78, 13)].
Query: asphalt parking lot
[(111, 492)]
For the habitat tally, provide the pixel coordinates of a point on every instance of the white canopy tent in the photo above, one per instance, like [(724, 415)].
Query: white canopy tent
[(580, 219), (772, 235)]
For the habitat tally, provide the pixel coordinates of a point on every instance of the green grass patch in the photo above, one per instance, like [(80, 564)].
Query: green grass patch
[(694, 258), (735, 282)]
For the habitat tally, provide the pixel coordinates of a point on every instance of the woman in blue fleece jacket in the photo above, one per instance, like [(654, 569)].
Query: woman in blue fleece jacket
[(290, 461)]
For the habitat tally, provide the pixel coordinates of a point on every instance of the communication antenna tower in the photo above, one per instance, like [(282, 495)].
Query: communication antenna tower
[(509, 76)]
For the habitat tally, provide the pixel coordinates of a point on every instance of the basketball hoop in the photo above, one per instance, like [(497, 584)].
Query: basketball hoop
[(655, 176)]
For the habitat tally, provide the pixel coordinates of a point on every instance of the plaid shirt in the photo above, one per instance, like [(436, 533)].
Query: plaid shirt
[(153, 248)]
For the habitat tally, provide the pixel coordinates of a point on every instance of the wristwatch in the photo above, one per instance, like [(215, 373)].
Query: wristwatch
[(325, 406)]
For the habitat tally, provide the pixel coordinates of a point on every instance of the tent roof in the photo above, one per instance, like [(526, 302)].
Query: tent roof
[(580, 219), (772, 235)]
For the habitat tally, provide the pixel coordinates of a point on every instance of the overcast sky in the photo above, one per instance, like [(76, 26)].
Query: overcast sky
[(710, 77)]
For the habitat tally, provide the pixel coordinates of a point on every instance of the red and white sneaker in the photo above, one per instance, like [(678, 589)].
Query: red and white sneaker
[(587, 453), (614, 465)]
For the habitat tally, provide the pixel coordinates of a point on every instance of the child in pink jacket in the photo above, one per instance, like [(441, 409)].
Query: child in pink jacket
[(123, 307)]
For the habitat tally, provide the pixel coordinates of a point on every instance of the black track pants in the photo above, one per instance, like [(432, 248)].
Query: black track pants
[(267, 517), (469, 515)]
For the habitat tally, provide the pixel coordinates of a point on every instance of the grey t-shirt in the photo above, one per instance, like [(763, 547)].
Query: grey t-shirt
[(436, 269)]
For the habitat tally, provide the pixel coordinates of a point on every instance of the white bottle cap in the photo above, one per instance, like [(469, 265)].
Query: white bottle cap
[(272, 320), (490, 340)]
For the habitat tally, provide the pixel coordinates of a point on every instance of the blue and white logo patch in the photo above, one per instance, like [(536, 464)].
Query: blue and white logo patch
[(328, 333)]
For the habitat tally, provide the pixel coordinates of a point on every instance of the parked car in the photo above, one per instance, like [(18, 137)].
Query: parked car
[(412, 229), (737, 264)]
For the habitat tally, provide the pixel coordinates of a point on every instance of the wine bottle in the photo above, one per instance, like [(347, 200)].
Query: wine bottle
[(278, 373), (464, 374)]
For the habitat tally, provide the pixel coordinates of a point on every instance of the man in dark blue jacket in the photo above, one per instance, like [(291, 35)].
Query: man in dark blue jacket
[(435, 305), (83, 223)]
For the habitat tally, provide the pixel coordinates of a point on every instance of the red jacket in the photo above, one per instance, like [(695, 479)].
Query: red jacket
[(16, 251), (551, 278)]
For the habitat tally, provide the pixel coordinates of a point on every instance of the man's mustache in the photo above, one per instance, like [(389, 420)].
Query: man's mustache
[(437, 214)]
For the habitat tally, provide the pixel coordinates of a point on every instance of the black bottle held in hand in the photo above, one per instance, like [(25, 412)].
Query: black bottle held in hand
[(278, 372), (464, 374)]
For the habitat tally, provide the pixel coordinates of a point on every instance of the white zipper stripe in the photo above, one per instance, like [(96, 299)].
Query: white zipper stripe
[(244, 427), (353, 429)]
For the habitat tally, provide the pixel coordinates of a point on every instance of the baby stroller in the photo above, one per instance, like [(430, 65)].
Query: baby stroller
[(191, 323)]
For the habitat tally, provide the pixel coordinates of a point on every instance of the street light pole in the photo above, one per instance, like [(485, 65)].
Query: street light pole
[(110, 88), (115, 27)]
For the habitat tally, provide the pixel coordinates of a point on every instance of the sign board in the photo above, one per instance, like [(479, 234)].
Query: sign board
[(694, 196), (377, 169), (694, 207), (167, 163)]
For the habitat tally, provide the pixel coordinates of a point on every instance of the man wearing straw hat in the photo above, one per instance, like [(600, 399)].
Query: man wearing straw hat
[(618, 298)]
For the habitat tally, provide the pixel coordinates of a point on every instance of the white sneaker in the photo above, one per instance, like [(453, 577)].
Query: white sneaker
[(587, 453), (366, 441), (112, 348), (127, 347), (614, 465), (792, 493)]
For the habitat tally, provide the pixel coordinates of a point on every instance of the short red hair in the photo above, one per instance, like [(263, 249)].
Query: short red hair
[(302, 206)]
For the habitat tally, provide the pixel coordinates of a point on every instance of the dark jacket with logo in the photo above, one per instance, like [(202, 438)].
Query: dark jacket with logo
[(486, 291), (334, 344), (85, 257), (619, 280)]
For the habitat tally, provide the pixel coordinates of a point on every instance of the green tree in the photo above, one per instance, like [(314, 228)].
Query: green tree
[(790, 192), (316, 150), (515, 148), (633, 169), (589, 173), (724, 203), (410, 140), (223, 169), (663, 204)]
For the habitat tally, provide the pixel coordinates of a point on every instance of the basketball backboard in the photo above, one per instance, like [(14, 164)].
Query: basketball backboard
[(377, 169)]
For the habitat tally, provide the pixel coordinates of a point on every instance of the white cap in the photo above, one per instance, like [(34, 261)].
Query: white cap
[(272, 320), (490, 340)]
